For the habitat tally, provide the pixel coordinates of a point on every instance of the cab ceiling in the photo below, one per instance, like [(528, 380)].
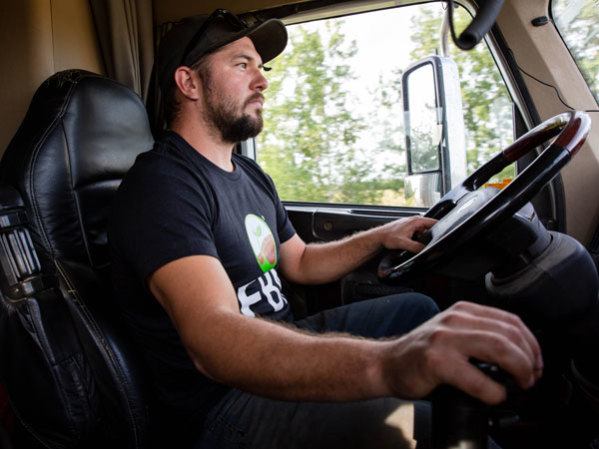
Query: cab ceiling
[(169, 10)]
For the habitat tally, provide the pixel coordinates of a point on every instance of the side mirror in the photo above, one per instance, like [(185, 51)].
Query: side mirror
[(434, 129)]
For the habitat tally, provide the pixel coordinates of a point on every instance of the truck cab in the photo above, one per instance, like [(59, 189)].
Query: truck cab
[(372, 113)]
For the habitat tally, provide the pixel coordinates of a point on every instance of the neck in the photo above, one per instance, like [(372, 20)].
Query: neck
[(207, 142)]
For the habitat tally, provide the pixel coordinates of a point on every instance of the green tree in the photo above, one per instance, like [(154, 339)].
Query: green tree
[(486, 103), (310, 143), (316, 144), (577, 22)]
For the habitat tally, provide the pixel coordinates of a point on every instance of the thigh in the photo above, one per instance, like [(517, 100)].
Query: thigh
[(387, 316), (246, 421)]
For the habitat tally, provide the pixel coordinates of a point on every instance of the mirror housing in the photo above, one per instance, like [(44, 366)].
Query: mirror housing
[(434, 129)]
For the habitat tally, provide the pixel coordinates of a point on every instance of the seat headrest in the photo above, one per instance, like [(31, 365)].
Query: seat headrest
[(81, 134)]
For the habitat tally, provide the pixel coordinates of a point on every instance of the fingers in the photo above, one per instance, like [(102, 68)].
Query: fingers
[(440, 350), (475, 383), (507, 324), (418, 223), (491, 347), (490, 335), (428, 222), (411, 245), (400, 233)]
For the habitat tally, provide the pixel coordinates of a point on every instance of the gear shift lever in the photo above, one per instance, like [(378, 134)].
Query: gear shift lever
[(460, 421)]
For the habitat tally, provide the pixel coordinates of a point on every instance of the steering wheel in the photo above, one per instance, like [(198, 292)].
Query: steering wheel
[(467, 211)]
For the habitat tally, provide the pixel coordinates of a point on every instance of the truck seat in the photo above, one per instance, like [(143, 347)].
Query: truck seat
[(73, 376)]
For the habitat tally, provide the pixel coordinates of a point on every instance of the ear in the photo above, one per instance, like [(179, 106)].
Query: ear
[(188, 82)]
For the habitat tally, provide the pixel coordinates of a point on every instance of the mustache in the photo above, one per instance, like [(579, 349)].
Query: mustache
[(256, 96)]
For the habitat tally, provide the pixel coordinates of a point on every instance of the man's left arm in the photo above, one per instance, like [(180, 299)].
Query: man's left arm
[(318, 263)]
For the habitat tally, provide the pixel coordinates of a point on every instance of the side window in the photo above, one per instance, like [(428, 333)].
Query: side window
[(577, 24), (334, 120)]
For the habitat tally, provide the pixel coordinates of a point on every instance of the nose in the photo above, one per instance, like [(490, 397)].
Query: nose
[(259, 83)]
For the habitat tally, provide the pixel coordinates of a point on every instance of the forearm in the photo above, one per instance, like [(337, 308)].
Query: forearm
[(327, 262), (285, 363), (257, 355), (269, 359)]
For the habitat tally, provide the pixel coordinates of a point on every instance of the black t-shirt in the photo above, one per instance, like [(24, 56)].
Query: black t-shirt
[(175, 203)]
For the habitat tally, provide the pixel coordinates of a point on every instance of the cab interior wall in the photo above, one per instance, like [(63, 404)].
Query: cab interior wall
[(39, 38), (530, 46)]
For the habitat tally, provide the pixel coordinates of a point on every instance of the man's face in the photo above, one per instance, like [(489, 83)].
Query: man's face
[(232, 85)]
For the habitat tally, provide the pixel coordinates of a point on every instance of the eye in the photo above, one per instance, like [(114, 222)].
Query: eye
[(242, 65)]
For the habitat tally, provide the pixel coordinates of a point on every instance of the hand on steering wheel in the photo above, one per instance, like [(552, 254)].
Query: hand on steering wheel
[(465, 212)]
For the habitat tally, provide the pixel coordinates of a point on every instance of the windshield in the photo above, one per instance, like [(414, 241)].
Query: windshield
[(334, 128), (577, 21)]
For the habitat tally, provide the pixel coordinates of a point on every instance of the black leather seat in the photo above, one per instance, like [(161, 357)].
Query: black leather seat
[(72, 374)]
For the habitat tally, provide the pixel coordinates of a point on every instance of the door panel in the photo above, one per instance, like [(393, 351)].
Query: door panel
[(315, 223), (324, 223)]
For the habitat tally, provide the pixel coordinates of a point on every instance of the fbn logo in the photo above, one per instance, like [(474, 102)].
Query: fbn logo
[(264, 293)]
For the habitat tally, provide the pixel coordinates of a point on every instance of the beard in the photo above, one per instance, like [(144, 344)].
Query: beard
[(233, 126)]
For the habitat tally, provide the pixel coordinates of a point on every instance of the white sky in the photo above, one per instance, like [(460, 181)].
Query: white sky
[(381, 39)]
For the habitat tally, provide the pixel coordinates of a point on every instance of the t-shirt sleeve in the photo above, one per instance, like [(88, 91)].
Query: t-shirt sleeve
[(285, 228), (161, 218)]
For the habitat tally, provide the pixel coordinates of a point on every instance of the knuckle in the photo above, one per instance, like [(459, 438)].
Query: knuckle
[(452, 318), (512, 332), (461, 305), (500, 347), (515, 320), (440, 336)]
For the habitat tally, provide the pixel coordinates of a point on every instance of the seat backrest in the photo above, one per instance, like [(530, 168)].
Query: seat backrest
[(83, 385)]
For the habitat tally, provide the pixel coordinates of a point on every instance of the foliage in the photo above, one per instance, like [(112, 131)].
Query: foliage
[(577, 23), (314, 143), (487, 112), (313, 151)]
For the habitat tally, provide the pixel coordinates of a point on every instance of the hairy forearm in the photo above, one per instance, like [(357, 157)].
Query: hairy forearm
[(327, 262), (257, 355), (272, 360)]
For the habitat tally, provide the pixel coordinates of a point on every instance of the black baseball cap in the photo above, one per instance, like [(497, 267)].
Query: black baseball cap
[(196, 36)]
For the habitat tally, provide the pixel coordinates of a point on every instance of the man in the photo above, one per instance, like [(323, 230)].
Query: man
[(198, 243)]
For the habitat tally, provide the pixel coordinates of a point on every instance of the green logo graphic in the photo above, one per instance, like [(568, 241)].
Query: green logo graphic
[(262, 241)]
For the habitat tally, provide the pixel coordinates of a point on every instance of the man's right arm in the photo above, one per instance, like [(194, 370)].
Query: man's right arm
[(273, 360)]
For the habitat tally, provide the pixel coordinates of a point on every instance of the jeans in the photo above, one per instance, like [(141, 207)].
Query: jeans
[(243, 420)]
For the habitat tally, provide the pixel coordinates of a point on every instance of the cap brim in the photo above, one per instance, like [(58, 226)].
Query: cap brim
[(269, 38)]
